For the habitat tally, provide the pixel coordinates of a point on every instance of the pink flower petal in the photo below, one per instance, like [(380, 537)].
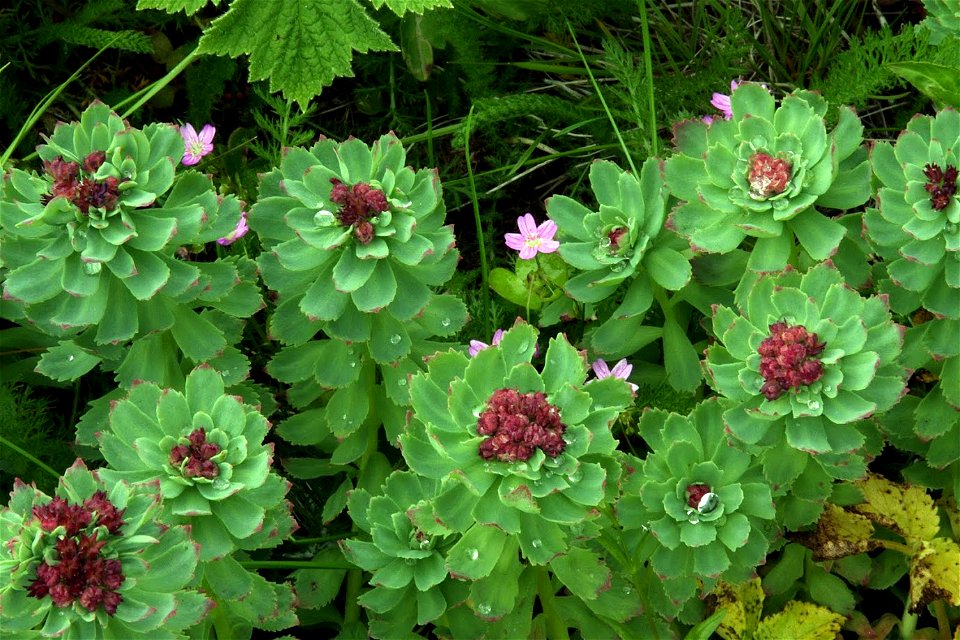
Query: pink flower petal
[(622, 369), (527, 224), (514, 241), (528, 252), (476, 347), (600, 369), (206, 134), (548, 246), (547, 230)]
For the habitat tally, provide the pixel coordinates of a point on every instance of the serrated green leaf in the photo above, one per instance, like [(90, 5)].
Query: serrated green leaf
[(401, 7), (800, 620), (583, 573), (66, 361), (300, 45)]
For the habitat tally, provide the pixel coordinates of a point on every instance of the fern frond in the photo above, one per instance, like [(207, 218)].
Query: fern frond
[(74, 33)]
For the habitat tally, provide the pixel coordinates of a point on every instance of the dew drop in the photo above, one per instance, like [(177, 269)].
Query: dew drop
[(627, 590), (395, 339), (473, 553), (445, 322), (221, 484), (402, 382), (69, 358), (484, 609), (345, 418), (353, 365), (537, 543), (425, 544), (576, 476), (814, 405)]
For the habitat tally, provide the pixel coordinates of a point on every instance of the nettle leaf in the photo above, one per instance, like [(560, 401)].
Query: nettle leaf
[(300, 45), (933, 574), (66, 361), (172, 6), (907, 510), (801, 620), (401, 7)]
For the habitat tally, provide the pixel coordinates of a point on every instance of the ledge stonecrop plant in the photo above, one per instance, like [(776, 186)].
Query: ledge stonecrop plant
[(92, 241), (405, 554), (764, 173), (94, 561), (705, 502), (520, 452), (354, 242), (916, 224), (206, 449), (805, 357), (623, 240)]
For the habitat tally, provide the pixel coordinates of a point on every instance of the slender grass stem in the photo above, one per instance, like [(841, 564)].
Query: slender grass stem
[(484, 268), (648, 68), (318, 539), (596, 88), (29, 457), (148, 92), (295, 564)]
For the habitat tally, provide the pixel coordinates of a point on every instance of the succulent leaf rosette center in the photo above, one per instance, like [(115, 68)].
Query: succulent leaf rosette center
[(197, 457), (788, 359), (517, 424), (359, 205), (77, 570), (78, 183), (768, 176), (941, 185)]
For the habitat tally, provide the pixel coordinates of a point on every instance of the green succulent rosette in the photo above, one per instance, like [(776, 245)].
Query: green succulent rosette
[(764, 173), (801, 361), (94, 561), (943, 19), (916, 224), (206, 449), (705, 502), (522, 455), (92, 241), (405, 552), (623, 239), (354, 242)]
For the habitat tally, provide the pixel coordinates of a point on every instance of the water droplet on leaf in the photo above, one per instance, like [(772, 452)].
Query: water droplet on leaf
[(402, 382), (537, 543), (473, 554), (69, 358), (221, 484), (445, 322), (395, 339), (814, 405), (484, 609)]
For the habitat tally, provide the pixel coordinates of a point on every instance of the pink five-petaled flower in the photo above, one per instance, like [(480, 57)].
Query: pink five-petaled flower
[(533, 239), (196, 145), (476, 346), (620, 370), (240, 231), (722, 101)]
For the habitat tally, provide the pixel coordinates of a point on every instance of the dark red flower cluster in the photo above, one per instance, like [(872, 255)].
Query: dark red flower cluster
[(788, 359), (84, 192), (768, 175), (357, 206), (614, 237), (695, 493), (197, 454), (518, 424), (80, 572), (942, 184)]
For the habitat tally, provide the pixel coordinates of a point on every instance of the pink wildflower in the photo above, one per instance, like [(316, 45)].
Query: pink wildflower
[(722, 101), (196, 145), (476, 346), (533, 239), (620, 370), (240, 231)]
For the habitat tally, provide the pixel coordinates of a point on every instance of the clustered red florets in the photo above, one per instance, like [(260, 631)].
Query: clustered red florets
[(357, 206), (769, 176), (518, 424), (84, 192), (80, 573), (942, 184), (695, 493), (788, 359), (198, 455)]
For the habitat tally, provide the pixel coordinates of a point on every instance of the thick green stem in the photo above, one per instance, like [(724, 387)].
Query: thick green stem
[(556, 627), (943, 620), (29, 457), (351, 611)]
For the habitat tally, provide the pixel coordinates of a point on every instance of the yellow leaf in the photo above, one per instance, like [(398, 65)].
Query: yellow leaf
[(906, 510), (801, 620), (839, 534), (743, 603), (935, 574)]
